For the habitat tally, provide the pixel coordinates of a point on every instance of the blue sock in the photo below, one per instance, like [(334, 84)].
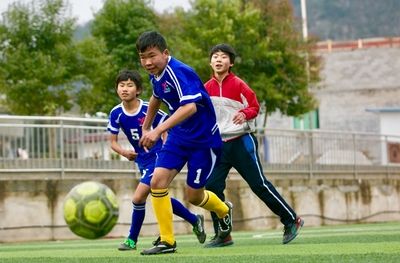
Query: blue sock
[(180, 210), (138, 213)]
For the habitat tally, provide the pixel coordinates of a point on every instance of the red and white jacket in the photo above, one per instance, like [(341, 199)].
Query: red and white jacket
[(229, 97)]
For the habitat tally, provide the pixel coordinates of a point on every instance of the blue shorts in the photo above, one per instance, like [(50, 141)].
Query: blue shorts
[(147, 173), (200, 161)]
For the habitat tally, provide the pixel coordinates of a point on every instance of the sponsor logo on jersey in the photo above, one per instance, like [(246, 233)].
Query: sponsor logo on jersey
[(166, 87), (141, 121)]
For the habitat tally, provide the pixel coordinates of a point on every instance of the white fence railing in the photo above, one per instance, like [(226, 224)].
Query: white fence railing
[(80, 144)]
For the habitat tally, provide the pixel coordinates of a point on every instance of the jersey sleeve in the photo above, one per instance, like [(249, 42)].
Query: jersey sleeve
[(113, 123), (188, 85), (160, 117), (153, 85)]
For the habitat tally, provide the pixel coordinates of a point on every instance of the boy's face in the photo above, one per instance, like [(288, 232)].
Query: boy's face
[(220, 62), (154, 60), (127, 90)]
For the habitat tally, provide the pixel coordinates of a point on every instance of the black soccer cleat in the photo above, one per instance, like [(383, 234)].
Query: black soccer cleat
[(161, 248), (225, 223), (217, 242), (157, 241), (198, 229)]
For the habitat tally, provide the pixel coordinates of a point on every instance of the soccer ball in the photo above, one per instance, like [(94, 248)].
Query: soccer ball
[(91, 210)]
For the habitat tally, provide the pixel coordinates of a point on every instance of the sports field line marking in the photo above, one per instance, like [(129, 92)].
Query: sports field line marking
[(321, 232)]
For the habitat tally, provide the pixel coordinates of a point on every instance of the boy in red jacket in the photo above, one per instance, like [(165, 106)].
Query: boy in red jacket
[(236, 107)]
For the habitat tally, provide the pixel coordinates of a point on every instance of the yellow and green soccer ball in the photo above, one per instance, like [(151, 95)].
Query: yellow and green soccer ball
[(91, 210)]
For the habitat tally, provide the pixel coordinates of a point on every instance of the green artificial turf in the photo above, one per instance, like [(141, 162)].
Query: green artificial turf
[(345, 243)]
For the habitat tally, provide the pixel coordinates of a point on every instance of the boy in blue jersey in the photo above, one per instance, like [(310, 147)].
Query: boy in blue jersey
[(128, 116), (193, 138)]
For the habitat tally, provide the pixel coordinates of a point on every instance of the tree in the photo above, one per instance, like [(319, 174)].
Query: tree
[(272, 55), (119, 23), (96, 92), (112, 48), (38, 62)]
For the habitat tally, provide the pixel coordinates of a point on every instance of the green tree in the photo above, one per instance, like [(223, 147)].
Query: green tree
[(96, 86), (119, 23), (112, 48), (272, 55), (38, 62)]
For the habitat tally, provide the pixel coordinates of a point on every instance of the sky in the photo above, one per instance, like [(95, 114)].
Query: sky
[(84, 9)]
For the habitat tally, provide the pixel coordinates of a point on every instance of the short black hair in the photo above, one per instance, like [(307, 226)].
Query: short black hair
[(226, 49), (133, 75), (151, 39)]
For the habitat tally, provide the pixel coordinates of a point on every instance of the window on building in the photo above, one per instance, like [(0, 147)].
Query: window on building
[(307, 121)]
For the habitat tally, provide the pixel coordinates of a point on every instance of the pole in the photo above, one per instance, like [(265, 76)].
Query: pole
[(304, 19)]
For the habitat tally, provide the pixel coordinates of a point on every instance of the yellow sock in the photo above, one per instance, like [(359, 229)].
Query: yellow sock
[(211, 202), (162, 208)]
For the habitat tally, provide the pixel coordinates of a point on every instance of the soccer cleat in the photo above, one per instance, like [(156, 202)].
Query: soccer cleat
[(218, 242), (157, 241), (198, 229), (161, 248), (225, 223), (128, 244), (291, 231)]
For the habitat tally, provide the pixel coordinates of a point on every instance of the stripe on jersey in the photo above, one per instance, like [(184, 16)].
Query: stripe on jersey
[(190, 97), (172, 75), (214, 128)]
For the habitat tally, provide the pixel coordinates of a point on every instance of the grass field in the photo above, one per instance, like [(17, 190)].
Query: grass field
[(345, 243)]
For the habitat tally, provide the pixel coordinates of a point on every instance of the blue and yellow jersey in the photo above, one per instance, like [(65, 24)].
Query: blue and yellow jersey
[(178, 85)]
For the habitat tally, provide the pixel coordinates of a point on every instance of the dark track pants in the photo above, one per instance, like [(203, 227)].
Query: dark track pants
[(242, 154)]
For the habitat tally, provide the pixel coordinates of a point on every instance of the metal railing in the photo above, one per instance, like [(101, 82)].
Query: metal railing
[(62, 144)]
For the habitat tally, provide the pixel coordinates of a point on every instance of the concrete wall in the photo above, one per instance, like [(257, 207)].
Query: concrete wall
[(33, 209), (353, 81)]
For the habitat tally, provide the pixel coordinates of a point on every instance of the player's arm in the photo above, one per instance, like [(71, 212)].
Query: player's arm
[(160, 118), (116, 147), (251, 110), (181, 114), (149, 137), (154, 106)]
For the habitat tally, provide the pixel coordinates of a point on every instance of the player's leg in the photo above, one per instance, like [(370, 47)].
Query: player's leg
[(217, 184), (162, 209), (198, 173), (247, 163), (197, 221), (138, 214), (162, 205), (168, 163), (212, 203), (139, 208)]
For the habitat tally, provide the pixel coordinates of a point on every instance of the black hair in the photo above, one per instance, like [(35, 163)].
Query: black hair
[(226, 49), (133, 75), (151, 39)]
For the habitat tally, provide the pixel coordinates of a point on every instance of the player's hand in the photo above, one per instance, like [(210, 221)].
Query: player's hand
[(149, 138), (239, 118), (130, 155)]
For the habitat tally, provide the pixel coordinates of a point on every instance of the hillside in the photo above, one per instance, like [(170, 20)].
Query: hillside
[(338, 20), (351, 19)]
